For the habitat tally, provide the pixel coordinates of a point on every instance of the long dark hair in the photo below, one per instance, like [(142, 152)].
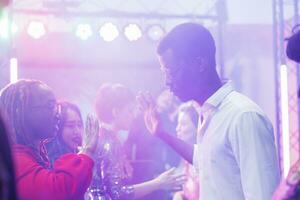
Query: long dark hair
[(7, 176), (64, 106), (56, 146)]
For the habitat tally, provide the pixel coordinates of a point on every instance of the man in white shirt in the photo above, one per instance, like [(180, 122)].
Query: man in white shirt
[(235, 152)]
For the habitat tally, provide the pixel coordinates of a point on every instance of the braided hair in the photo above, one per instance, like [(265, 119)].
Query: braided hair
[(14, 100)]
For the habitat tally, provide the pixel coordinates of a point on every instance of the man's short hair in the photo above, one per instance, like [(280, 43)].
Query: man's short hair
[(189, 40)]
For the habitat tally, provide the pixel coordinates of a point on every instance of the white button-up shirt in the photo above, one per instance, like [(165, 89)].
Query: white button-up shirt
[(235, 152)]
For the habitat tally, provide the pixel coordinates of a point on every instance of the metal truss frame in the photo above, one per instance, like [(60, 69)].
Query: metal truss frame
[(281, 31), (213, 11)]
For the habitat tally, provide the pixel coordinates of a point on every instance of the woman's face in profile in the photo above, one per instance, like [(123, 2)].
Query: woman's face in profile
[(186, 129), (72, 130)]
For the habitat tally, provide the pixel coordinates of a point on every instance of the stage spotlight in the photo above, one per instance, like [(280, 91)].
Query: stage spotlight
[(6, 27), (36, 29), (84, 31), (109, 32), (155, 32), (132, 32)]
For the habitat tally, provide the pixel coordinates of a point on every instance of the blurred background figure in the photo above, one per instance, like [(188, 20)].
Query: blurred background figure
[(167, 105), (289, 188), (7, 177), (116, 110), (150, 162), (187, 120), (293, 45), (69, 134)]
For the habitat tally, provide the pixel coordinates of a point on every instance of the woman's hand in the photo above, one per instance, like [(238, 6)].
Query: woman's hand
[(169, 180), (90, 137)]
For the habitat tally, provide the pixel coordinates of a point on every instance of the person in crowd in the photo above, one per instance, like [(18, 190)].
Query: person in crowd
[(187, 120), (293, 45), (7, 176), (69, 134), (115, 108), (167, 105), (289, 188), (235, 152), (148, 163), (29, 107)]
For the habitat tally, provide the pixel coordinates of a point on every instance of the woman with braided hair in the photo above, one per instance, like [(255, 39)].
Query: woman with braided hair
[(29, 107)]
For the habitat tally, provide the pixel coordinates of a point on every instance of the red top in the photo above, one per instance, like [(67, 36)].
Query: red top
[(69, 179)]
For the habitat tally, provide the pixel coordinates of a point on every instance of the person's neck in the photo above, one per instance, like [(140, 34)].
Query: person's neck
[(211, 88)]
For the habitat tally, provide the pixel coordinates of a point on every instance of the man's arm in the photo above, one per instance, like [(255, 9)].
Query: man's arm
[(154, 125), (184, 149)]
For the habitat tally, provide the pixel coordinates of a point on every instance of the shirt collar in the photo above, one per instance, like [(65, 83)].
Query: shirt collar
[(216, 99)]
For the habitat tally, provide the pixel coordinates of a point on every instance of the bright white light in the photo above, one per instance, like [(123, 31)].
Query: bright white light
[(109, 32), (84, 31), (13, 70), (6, 27), (133, 32), (107, 146), (36, 29), (155, 32), (285, 118)]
